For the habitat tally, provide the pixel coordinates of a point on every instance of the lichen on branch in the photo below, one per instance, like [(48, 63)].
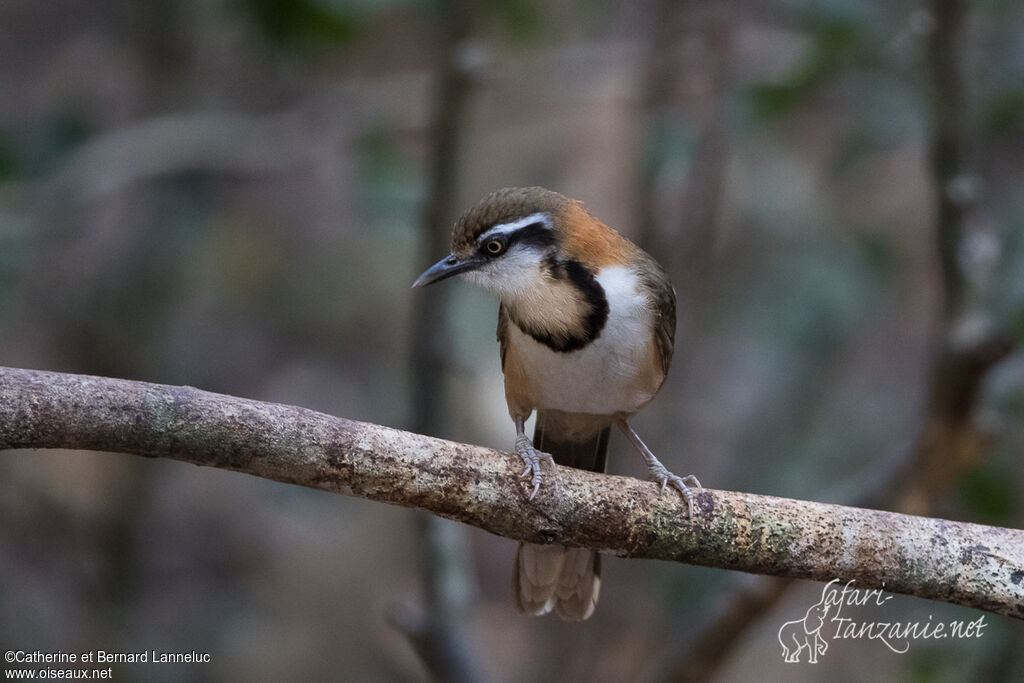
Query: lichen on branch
[(967, 564)]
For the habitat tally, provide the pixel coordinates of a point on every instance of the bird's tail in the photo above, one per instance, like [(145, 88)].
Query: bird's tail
[(548, 577)]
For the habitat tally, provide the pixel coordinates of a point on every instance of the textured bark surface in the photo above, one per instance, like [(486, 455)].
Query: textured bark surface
[(966, 564)]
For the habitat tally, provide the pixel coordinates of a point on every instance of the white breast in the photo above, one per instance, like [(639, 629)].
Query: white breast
[(611, 374)]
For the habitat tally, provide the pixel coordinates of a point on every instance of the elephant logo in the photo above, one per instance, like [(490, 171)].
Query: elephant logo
[(805, 634)]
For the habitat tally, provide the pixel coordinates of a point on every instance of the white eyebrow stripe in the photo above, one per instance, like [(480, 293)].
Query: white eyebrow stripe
[(508, 228)]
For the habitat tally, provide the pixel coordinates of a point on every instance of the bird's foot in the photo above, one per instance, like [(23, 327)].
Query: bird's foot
[(658, 472), (532, 458)]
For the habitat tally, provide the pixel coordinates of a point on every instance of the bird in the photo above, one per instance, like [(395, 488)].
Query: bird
[(586, 326)]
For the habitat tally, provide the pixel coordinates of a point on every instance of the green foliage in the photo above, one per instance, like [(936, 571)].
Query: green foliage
[(51, 138), (1005, 111), (1007, 299), (300, 24), (8, 166), (12, 254), (389, 180), (930, 664), (520, 18), (670, 141), (379, 159), (989, 493), (819, 292), (835, 41), (1017, 326), (878, 255)]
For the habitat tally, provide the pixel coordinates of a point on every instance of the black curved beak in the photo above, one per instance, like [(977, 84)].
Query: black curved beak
[(446, 267)]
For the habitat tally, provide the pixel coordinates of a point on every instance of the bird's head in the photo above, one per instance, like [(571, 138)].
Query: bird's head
[(514, 239)]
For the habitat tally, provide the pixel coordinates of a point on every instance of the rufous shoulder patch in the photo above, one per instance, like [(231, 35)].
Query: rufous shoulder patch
[(590, 241)]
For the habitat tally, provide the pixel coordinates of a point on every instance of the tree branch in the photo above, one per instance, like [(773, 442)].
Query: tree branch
[(961, 563)]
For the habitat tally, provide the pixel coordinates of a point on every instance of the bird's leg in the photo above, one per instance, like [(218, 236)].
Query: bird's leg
[(657, 471), (531, 456)]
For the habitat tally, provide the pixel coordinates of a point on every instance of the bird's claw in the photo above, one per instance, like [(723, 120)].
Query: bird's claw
[(532, 458), (660, 474)]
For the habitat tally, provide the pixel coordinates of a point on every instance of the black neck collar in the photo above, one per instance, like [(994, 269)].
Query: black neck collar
[(584, 328)]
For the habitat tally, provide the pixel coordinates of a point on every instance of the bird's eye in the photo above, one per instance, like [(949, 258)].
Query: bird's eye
[(494, 247)]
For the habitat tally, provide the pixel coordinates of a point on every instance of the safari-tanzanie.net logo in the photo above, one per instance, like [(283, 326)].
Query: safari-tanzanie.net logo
[(808, 638)]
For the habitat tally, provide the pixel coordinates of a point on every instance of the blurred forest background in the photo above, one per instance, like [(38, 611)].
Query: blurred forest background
[(237, 195)]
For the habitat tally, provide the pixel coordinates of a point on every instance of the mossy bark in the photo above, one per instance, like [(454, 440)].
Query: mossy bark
[(966, 564)]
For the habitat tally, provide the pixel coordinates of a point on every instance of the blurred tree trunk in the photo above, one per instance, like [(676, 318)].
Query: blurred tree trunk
[(681, 228), (655, 104), (440, 632), (949, 442)]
